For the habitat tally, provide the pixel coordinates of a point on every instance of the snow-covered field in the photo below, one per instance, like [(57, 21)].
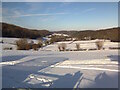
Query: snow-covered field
[(83, 45), (49, 68)]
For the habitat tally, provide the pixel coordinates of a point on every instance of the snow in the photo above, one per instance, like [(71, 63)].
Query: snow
[(49, 68), (58, 34), (13, 40), (71, 45), (10, 40), (88, 68)]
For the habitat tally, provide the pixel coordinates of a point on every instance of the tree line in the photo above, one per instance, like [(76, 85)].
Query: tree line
[(10, 30), (112, 34)]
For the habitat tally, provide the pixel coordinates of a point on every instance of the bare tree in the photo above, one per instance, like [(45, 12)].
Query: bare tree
[(99, 44), (40, 44), (62, 47), (59, 47), (77, 46)]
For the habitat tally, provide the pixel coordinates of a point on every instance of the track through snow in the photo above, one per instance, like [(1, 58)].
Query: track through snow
[(46, 69), (102, 65)]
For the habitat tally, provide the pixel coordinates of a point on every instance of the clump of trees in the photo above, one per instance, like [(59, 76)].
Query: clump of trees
[(62, 47), (23, 44), (99, 44), (56, 38)]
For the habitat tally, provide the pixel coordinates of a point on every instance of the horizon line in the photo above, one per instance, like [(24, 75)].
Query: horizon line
[(62, 29)]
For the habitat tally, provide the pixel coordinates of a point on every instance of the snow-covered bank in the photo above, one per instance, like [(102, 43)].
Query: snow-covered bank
[(49, 68), (46, 69)]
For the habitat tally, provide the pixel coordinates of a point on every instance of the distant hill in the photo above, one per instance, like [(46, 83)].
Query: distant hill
[(10, 30), (111, 34)]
